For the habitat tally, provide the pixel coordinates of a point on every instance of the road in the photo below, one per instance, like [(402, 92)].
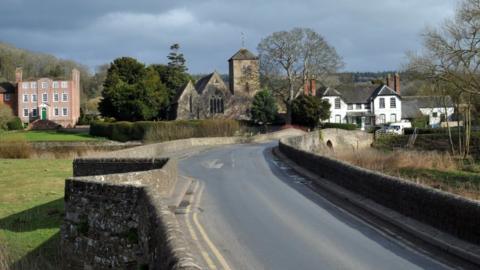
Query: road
[(252, 212)]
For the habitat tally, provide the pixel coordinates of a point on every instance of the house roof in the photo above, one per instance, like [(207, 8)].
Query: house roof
[(385, 91), (243, 54), (411, 105), (7, 87), (360, 95)]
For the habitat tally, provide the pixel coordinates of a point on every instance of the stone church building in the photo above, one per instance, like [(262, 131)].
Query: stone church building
[(211, 97)]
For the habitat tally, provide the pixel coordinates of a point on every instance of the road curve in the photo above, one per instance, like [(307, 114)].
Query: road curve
[(260, 215)]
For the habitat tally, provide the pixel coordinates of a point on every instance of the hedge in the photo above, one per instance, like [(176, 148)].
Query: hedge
[(409, 131), (339, 126), (164, 130)]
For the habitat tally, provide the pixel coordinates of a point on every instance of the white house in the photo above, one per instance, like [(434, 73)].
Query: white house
[(365, 106), (383, 104), (438, 109)]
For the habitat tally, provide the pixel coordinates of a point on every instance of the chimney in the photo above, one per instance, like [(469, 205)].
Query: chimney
[(390, 81), (396, 80), (18, 75), (313, 87), (75, 75), (306, 88)]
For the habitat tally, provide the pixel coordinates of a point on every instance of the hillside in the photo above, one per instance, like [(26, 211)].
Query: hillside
[(36, 65)]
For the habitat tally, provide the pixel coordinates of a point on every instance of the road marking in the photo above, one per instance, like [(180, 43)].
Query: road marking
[(205, 255), (212, 164), (205, 237)]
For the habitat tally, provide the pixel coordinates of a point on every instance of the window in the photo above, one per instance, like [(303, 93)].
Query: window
[(55, 85), (358, 106), (64, 97), (64, 84), (367, 106), (190, 103), (33, 85), (56, 112), (382, 119), (7, 97), (25, 85), (337, 103), (350, 107), (65, 111), (44, 97), (435, 114), (44, 85), (34, 97), (55, 97), (338, 118), (368, 120), (25, 98), (216, 104), (34, 112), (25, 112), (382, 103), (393, 118), (393, 102)]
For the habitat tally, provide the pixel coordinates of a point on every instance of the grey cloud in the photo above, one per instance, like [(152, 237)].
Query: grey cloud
[(369, 34)]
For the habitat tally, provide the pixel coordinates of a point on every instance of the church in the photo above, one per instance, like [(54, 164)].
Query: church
[(211, 97)]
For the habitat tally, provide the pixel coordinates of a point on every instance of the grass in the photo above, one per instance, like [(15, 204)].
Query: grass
[(31, 211), (430, 168), (48, 136)]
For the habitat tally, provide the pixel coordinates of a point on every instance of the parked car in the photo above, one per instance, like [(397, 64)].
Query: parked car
[(398, 128)]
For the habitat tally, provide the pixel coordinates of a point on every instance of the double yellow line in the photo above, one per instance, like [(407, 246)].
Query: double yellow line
[(203, 234)]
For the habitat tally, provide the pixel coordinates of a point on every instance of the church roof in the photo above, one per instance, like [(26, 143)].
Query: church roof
[(182, 90), (6, 87), (243, 54), (203, 82)]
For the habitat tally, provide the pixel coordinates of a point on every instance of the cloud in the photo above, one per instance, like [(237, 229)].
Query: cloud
[(369, 34)]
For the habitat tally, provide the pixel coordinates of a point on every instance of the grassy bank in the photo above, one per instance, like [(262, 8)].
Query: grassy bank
[(434, 169), (47, 136), (31, 211)]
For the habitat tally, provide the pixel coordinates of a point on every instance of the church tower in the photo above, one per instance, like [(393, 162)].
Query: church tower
[(244, 73)]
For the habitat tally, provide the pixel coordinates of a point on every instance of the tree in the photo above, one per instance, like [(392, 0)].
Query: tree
[(264, 108), (6, 115), (309, 110), (177, 60), (289, 58), (132, 92), (451, 62)]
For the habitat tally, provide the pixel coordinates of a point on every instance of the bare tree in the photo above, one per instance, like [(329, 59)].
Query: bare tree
[(289, 58), (451, 59)]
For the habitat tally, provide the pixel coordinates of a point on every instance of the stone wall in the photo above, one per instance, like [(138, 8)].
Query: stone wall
[(447, 212), (116, 219)]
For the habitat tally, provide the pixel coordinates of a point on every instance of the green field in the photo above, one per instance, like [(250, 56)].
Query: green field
[(47, 136), (31, 210)]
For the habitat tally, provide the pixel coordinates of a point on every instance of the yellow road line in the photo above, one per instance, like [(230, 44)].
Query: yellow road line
[(205, 237), (205, 255)]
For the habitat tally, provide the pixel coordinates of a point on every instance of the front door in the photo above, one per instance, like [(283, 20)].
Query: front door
[(359, 122), (44, 113)]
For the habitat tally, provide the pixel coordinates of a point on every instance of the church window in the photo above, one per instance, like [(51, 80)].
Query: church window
[(190, 103), (216, 104)]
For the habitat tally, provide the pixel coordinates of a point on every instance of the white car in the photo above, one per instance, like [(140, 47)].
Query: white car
[(398, 128)]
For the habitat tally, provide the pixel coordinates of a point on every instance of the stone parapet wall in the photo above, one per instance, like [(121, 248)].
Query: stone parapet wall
[(115, 219), (447, 212)]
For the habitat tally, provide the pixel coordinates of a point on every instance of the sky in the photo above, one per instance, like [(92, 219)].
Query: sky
[(370, 35)]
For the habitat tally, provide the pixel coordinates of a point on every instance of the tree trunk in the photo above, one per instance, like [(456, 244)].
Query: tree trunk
[(288, 119), (448, 126)]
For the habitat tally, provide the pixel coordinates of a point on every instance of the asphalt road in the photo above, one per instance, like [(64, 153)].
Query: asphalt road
[(260, 215)]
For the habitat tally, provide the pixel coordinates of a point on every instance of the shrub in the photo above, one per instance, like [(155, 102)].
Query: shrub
[(15, 124), (18, 148), (264, 108), (409, 131), (339, 126)]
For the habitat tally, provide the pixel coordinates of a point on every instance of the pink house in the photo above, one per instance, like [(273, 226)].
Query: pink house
[(47, 99)]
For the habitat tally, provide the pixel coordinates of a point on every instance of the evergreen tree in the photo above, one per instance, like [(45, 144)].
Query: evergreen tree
[(264, 108), (309, 110), (132, 92)]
